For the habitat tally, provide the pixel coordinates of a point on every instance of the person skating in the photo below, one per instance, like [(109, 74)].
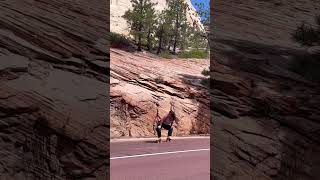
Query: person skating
[(166, 123)]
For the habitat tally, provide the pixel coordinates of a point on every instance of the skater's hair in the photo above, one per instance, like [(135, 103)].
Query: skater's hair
[(172, 114)]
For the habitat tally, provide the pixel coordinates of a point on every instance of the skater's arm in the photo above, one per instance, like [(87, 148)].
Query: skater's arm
[(158, 119), (176, 120)]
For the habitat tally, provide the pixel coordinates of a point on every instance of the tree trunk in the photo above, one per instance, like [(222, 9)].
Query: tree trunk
[(139, 43), (174, 45), (139, 37), (160, 43), (176, 34), (149, 40), (140, 27), (169, 42)]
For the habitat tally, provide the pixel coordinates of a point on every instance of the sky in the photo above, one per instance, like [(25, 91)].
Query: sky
[(205, 2)]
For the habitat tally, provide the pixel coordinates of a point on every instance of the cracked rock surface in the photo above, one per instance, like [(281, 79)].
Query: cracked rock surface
[(265, 118), (143, 85), (53, 89)]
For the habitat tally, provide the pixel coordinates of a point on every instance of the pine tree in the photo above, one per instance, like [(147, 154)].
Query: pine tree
[(160, 31), (141, 20), (185, 34), (164, 24), (200, 37), (204, 13), (150, 22), (177, 11)]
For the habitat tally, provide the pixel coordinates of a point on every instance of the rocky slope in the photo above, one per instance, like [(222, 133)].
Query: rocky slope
[(119, 7), (53, 89), (142, 85), (266, 119)]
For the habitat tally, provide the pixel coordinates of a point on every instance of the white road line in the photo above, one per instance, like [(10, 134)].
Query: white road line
[(144, 139), (154, 154)]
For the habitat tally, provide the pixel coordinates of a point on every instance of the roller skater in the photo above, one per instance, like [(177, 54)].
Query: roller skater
[(166, 123)]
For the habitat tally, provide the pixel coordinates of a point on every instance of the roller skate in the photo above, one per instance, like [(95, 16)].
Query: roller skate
[(168, 139)]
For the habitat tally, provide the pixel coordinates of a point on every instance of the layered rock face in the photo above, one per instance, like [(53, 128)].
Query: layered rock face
[(119, 7), (143, 86), (53, 90), (265, 118)]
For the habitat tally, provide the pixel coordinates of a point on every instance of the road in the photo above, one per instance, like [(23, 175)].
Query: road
[(182, 159)]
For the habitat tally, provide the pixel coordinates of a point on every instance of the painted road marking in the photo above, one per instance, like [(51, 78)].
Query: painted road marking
[(145, 139), (154, 154)]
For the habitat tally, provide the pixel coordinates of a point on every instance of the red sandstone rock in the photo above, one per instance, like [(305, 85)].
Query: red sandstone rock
[(143, 84)]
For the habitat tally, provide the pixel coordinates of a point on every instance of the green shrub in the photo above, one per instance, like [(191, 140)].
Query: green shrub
[(159, 80), (205, 72), (306, 35), (199, 54), (119, 41), (307, 65), (165, 55)]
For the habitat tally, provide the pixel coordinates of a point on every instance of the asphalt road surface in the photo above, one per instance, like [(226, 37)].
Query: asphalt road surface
[(181, 159)]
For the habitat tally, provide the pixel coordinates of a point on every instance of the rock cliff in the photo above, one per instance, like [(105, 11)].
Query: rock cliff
[(53, 89), (265, 118), (143, 85), (119, 7)]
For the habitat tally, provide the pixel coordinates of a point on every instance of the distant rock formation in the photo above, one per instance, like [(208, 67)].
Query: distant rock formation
[(119, 7)]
